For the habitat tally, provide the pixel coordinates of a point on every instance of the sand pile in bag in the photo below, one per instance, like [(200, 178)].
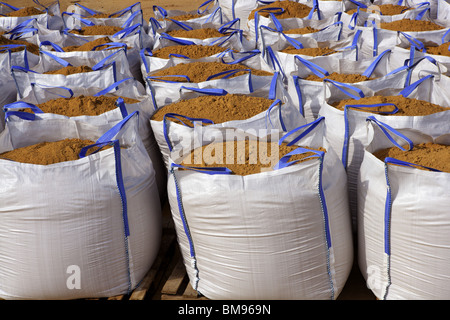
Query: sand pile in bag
[(89, 46), (291, 9), (384, 9), (313, 52), (70, 70), (30, 46), (202, 33), (411, 25), (25, 12), (345, 78), (81, 105), (219, 109), (193, 51), (441, 50), (97, 30), (200, 71), (243, 157), (184, 17), (406, 106), (46, 153), (304, 30), (430, 155)]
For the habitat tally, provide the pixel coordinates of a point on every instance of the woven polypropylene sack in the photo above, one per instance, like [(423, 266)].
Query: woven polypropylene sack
[(266, 238), (86, 228)]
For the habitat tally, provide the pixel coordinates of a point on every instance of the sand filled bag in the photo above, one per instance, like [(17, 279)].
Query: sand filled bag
[(76, 16), (97, 106), (46, 16), (67, 249), (327, 29), (294, 244), (306, 85), (423, 105), (251, 75), (282, 10), (403, 213), (217, 108)]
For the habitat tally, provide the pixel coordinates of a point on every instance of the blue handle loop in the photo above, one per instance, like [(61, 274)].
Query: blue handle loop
[(143, 54), (225, 38), (23, 28), (354, 45), (206, 4), (7, 47), (304, 131), (256, 17), (443, 40), (24, 69), (296, 80), (154, 25), (43, 87), (341, 87), (161, 78), (208, 91), (316, 69), (409, 89), (213, 14), (389, 160), (176, 40), (421, 14), (9, 6), (273, 86), (179, 117), (78, 17), (110, 45), (110, 135), (176, 55), (111, 87), (161, 10), (207, 170), (102, 63), (90, 11), (314, 8), (61, 61), (388, 131), (276, 22), (368, 72), (227, 74), (120, 103), (283, 162), (229, 26), (181, 25), (21, 114), (276, 65), (413, 41), (125, 32), (130, 19), (126, 10), (248, 55), (347, 124), (56, 47), (273, 105), (293, 42)]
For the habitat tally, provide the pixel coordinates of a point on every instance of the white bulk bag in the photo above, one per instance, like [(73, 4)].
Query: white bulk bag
[(403, 222), (49, 19), (130, 88), (286, 62), (88, 228), (275, 235), (308, 95), (346, 130), (281, 115), (97, 60), (77, 16), (205, 14), (329, 30)]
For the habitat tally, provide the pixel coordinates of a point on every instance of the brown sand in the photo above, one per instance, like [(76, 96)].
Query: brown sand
[(304, 30), (30, 47), (430, 155), (291, 10), (406, 106), (200, 71), (46, 153), (97, 30), (70, 70), (219, 109), (385, 9), (243, 157), (204, 33), (192, 51), (410, 25), (313, 52), (81, 105), (345, 78)]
